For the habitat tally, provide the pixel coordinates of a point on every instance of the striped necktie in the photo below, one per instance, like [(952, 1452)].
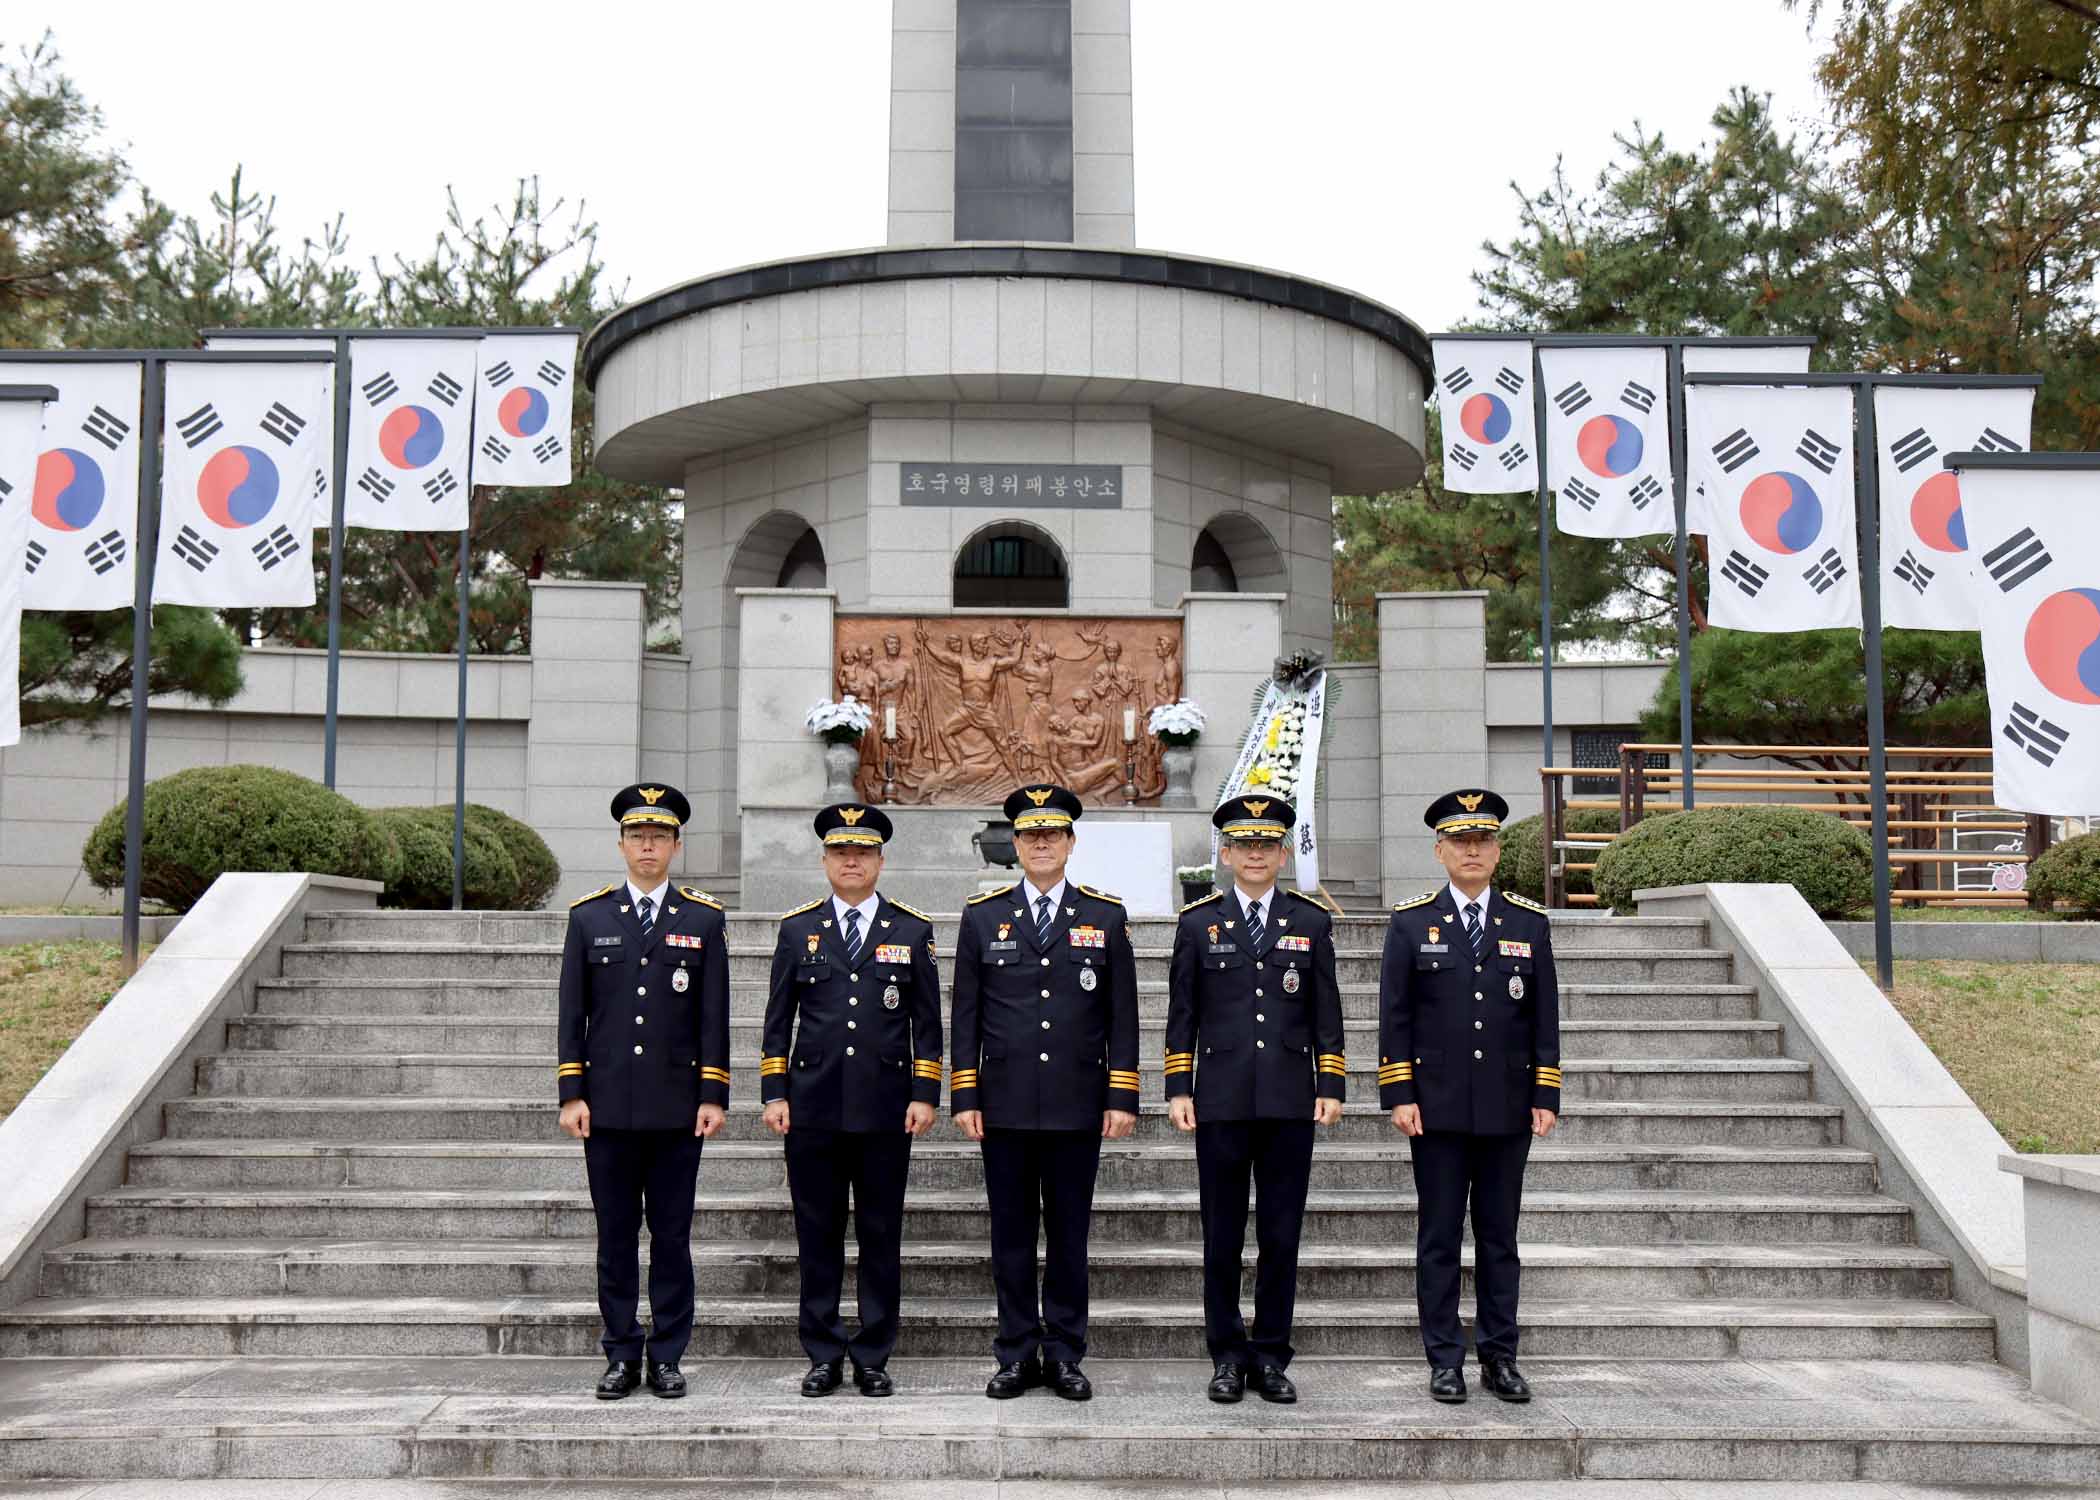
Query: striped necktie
[(1475, 933), (646, 910), (1042, 921), (852, 934), (1254, 926)]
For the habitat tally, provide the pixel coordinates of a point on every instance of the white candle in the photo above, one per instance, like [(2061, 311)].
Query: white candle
[(1129, 724), (889, 721)]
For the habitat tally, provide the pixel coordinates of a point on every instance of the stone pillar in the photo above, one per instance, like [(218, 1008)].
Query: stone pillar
[(584, 740), (1432, 721), (2061, 1200), (783, 666), (1230, 643)]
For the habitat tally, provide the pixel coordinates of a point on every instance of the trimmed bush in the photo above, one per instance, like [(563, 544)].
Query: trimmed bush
[(425, 882), (539, 872), (1523, 865), (1826, 859), (2069, 874), (205, 821)]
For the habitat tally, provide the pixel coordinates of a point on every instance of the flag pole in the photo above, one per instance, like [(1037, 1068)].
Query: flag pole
[(459, 724), (1680, 489), (147, 542), (1538, 430), (1867, 465), (336, 542)]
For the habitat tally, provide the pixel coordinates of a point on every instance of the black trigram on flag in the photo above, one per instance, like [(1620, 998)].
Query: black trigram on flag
[(1513, 457), (551, 372), (1572, 399), (1644, 491), (199, 424), (445, 388), (547, 449), (106, 552), (1458, 380), (493, 447), (1994, 441), (1825, 571), (1912, 449), (1582, 494), (1818, 450), (1509, 380), (381, 387), (282, 423), (194, 549), (106, 428), (320, 483), (2016, 559), (1745, 574), (1735, 450), (35, 557), (376, 484), (498, 373), (6, 489), (1464, 457), (2041, 739), (439, 485), (1638, 396), (275, 548), (1909, 570)]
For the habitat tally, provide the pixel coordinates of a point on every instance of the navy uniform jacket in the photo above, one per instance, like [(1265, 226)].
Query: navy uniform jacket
[(645, 1022), (1053, 1029), (1266, 1023), (869, 1036), (1476, 1045)]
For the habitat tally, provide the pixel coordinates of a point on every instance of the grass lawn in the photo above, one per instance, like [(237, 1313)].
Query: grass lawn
[(48, 993), (2023, 1039)]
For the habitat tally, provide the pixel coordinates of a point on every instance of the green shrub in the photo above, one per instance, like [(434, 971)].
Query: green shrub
[(2068, 874), (1523, 865), (205, 821), (425, 883), (1826, 859), (539, 872)]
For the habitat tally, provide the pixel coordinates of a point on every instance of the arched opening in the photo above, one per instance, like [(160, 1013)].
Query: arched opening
[(1234, 553), (803, 567), (1011, 565), (1210, 570), (782, 551)]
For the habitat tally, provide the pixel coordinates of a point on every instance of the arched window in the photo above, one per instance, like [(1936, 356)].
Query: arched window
[(1234, 553), (1210, 570), (1010, 566), (803, 567)]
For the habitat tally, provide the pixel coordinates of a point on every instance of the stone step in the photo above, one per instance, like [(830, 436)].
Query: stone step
[(947, 1164), (443, 998), (567, 1268), (536, 1036), (1131, 1216), (483, 1075), (1585, 1122), (1353, 965), (405, 1428), (764, 1328)]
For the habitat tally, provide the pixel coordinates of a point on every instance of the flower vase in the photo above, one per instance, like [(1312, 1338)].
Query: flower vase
[(1179, 762), (841, 764)]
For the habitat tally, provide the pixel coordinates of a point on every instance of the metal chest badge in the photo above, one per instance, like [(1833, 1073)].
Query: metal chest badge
[(812, 942), (1290, 981), (681, 981), (1432, 932), (1087, 980), (890, 997), (1516, 986)]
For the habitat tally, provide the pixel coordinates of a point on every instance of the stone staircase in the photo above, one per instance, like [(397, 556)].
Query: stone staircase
[(363, 1248)]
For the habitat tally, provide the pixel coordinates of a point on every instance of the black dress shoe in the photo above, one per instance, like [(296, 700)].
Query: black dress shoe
[(666, 1380), (823, 1377), (1271, 1384), (1448, 1386), (1013, 1380), (621, 1378), (1501, 1378), (1227, 1383), (1066, 1379), (874, 1382)]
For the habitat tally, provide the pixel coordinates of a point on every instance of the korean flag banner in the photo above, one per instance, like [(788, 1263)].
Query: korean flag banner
[(2035, 536), (1927, 578), (259, 344), (1608, 440), (1781, 532), (410, 410), (1483, 388), (1739, 359), (244, 476), (84, 511), (523, 407), (21, 440)]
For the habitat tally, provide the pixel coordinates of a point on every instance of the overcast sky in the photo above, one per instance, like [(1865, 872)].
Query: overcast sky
[(1364, 142)]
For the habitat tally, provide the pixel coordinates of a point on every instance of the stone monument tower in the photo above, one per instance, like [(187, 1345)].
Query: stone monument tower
[(1009, 476)]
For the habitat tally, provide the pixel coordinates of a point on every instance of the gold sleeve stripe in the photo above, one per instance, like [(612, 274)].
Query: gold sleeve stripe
[(1396, 1073), (1122, 1080), (1181, 1065), (1338, 1069), (927, 1070), (963, 1078), (770, 1066), (1172, 1056), (568, 1068), (1333, 1057), (714, 1075)]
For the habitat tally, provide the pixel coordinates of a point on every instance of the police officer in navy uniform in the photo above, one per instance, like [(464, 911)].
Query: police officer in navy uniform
[(1254, 1060), (1469, 1065), (1045, 1069), (643, 1073), (851, 1073)]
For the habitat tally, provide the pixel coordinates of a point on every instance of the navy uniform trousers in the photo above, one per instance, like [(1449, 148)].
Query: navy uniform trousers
[(1275, 1156), (1053, 1169), (640, 1176), (823, 1166), (1451, 1170)]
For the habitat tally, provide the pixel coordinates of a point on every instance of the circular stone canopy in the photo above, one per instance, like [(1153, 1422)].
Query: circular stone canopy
[(771, 350)]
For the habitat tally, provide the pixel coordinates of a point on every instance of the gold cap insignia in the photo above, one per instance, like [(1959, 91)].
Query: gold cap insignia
[(1038, 797), (651, 794), (852, 815), (1256, 809), (1472, 803)]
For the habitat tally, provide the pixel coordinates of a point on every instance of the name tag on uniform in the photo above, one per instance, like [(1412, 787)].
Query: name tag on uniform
[(1222, 948), (683, 940), (893, 953), (1295, 943), (996, 946), (1509, 949), (606, 942), (1088, 937), (1436, 948)]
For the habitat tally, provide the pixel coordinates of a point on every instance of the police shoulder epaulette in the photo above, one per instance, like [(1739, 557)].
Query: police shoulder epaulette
[(603, 890), (805, 906), (908, 910), (1307, 896), (700, 896), (1524, 901), (986, 896), (1203, 901), (1425, 897), (1101, 895)]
